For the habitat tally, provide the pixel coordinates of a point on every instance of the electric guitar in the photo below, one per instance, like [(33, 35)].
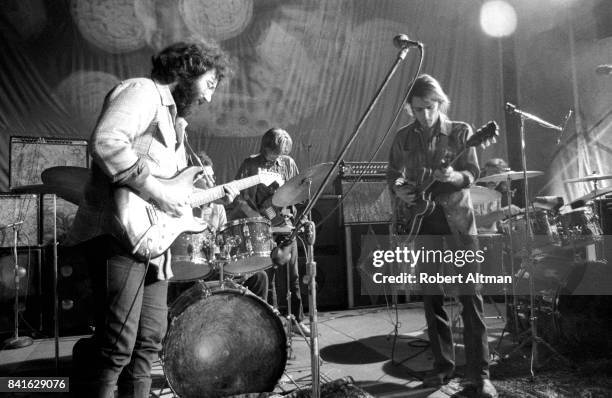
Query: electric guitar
[(412, 216), (150, 231)]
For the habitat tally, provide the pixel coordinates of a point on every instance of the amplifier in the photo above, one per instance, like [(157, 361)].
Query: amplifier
[(30, 156), (363, 171), (15, 208), (365, 202)]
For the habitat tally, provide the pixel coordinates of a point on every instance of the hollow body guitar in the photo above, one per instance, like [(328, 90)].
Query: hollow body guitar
[(424, 205), (150, 231)]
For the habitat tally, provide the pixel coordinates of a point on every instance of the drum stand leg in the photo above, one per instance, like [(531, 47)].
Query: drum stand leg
[(533, 338)]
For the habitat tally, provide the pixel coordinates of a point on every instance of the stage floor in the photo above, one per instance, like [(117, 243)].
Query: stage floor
[(356, 343)]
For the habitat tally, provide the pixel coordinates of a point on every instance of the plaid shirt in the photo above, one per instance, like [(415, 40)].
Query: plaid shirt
[(135, 137), (412, 151)]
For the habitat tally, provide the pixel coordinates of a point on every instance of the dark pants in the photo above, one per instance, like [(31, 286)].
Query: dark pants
[(258, 284), (131, 317), (294, 284), (438, 321)]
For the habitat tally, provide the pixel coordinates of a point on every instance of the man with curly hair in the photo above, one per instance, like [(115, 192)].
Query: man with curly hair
[(136, 141)]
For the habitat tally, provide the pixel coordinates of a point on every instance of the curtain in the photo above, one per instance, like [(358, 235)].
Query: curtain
[(311, 67)]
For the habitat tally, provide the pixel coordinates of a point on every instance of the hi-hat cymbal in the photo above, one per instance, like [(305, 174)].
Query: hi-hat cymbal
[(509, 175), (296, 189), (482, 195), (592, 177), (67, 193)]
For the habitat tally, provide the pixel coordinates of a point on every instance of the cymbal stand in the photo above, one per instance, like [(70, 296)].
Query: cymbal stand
[(19, 272), (527, 261), (509, 195)]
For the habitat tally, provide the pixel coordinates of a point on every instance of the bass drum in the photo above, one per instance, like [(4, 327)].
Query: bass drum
[(223, 341), (582, 309), (577, 316)]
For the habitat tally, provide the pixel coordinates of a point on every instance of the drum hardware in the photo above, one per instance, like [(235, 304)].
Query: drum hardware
[(19, 272), (532, 332)]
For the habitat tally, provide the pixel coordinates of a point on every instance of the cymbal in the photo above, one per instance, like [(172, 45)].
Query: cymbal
[(296, 189), (482, 195), (67, 193), (592, 177), (591, 195), (512, 175)]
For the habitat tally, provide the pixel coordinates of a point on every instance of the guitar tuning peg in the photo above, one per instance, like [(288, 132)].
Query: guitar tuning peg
[(494, 140)]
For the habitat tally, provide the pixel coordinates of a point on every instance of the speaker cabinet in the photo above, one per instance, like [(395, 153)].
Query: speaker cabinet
[(29, 290), (326, 216), (74, 292), (331, 283), (358, 292)]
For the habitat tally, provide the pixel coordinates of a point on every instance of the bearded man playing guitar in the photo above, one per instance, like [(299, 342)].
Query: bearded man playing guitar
[(135, 145), (432, 157)]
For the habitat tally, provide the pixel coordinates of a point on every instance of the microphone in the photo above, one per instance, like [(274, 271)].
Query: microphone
[(402, 41), (602, 69)]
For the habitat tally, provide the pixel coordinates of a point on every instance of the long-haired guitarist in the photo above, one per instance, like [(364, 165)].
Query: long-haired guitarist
[(420, 157), (135, 141)]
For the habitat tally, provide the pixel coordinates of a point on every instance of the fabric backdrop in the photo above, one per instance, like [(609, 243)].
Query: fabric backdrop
[(308, 66)]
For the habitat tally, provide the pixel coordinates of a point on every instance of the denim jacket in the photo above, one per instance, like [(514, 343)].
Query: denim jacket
[(410, 153)]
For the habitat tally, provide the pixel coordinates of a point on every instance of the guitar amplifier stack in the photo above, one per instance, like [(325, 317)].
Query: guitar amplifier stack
[(35, 207), (366, 210)]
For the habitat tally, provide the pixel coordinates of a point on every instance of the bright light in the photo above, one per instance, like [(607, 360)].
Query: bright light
[(497, 18)]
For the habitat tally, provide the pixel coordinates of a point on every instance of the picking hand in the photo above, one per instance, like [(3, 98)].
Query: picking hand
[(448, 174)]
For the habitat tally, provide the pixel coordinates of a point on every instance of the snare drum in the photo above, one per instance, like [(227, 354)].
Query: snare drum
[(193, 256), (543, 226), (246, 244), (222, 341), (580, 227)]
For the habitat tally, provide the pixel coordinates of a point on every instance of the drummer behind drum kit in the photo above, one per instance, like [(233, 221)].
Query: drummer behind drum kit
[(567, 241)]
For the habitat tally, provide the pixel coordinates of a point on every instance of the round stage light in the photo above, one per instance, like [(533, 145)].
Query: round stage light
[(497, 18)]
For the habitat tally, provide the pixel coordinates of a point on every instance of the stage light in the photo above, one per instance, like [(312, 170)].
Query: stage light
[(497, 18)]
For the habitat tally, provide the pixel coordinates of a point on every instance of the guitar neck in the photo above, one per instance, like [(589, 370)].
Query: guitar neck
[(211, 194)]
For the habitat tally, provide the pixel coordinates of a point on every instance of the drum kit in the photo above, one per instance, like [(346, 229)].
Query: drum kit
[(223, 340), (564, 261)]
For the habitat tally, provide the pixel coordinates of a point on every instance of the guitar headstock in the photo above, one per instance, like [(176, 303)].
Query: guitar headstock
[(269, 177), (485, 136)]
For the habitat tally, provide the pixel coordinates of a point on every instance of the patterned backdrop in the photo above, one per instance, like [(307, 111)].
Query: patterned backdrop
[(309, 66)]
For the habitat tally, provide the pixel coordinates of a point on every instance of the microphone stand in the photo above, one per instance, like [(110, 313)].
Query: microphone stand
[(312, 267), (16, 341), (527, 263)]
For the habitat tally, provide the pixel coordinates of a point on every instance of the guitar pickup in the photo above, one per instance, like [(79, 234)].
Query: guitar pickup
[(152, 213)]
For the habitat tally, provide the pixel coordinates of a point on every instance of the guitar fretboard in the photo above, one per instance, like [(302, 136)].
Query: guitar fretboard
[(208, 195)]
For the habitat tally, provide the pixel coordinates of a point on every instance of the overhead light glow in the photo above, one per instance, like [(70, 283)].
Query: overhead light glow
[(497, 18)]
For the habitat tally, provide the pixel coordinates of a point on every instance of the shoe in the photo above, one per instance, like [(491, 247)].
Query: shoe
[(302, 329), (486, 389)]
